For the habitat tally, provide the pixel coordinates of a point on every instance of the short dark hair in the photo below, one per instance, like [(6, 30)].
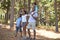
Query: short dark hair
[(20, 15), (34, 3), (25, 11)]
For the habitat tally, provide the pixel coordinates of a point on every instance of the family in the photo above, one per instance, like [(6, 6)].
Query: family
[(27, 21)]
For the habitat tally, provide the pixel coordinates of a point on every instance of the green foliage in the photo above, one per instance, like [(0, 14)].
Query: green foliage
[(20, 5), (5, 4), (32, 1), (47, 4), (59, 23), (52, 18)]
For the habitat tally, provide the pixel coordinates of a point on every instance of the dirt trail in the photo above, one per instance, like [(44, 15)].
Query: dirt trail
[(6, 34), (10, 35)]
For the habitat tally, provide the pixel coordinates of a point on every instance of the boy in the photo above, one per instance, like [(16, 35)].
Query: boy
[(35, 7), (18, 25)]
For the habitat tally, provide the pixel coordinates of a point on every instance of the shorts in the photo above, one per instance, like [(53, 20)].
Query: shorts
[(23, 24), (31, 25), (18, 29)]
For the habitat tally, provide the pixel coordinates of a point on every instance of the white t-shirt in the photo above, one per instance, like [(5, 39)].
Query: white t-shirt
[(31, 19), (24, 18)]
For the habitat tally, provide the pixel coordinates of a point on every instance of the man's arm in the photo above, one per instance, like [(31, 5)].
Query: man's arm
[(34, 17)]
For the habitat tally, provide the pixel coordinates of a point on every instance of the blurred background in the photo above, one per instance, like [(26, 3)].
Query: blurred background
[(48, 10)]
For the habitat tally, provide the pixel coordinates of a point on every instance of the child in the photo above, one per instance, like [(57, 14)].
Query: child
[(18, 25), (35, 7), (24, 23)]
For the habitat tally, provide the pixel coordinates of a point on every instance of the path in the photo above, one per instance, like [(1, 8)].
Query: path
[(6, 34)]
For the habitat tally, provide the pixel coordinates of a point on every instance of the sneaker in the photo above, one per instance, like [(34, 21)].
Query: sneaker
[(24, 37), (21, 39), (15, 35), (29, 38), (34, 38)]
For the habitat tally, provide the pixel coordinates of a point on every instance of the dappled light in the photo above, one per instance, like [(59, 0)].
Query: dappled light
[(42, 32), (49, 34), (29, 19)]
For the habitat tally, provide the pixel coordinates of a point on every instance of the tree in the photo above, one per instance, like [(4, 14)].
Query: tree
[(24, 3), (29, 1), (5, 5), (58, 8), (12, 13), (1, 0), (56, 22)]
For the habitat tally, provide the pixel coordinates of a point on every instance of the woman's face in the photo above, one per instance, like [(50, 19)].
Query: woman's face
[(22, 11)]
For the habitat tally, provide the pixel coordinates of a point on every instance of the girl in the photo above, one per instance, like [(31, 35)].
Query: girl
[(24, 23)]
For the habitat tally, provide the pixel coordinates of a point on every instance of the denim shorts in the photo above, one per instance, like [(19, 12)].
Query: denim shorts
[(18, 29), (23, 24)]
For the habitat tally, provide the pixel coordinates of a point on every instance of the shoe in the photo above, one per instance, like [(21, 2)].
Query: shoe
[(24, 37), (34, 38), (21, 39), (15, 35), (29, 38)]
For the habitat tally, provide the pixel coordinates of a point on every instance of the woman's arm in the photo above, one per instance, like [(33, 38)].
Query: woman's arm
[(27, 17)]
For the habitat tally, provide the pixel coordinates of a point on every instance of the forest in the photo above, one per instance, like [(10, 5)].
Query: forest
[(48, 11)]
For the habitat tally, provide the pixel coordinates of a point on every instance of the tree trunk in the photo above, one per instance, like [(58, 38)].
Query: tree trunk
[(56, 23), (46, 17), (36, 1), (6, 16), (29, 1), (12, 13), (24, 3), (1, 1), (17, 0)]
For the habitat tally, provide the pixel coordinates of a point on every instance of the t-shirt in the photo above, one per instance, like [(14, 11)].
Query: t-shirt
[(31, 19), (36, 8), (18, 21), (24, 18)]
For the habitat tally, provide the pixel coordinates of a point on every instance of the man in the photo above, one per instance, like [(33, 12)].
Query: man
[(32, 21)]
